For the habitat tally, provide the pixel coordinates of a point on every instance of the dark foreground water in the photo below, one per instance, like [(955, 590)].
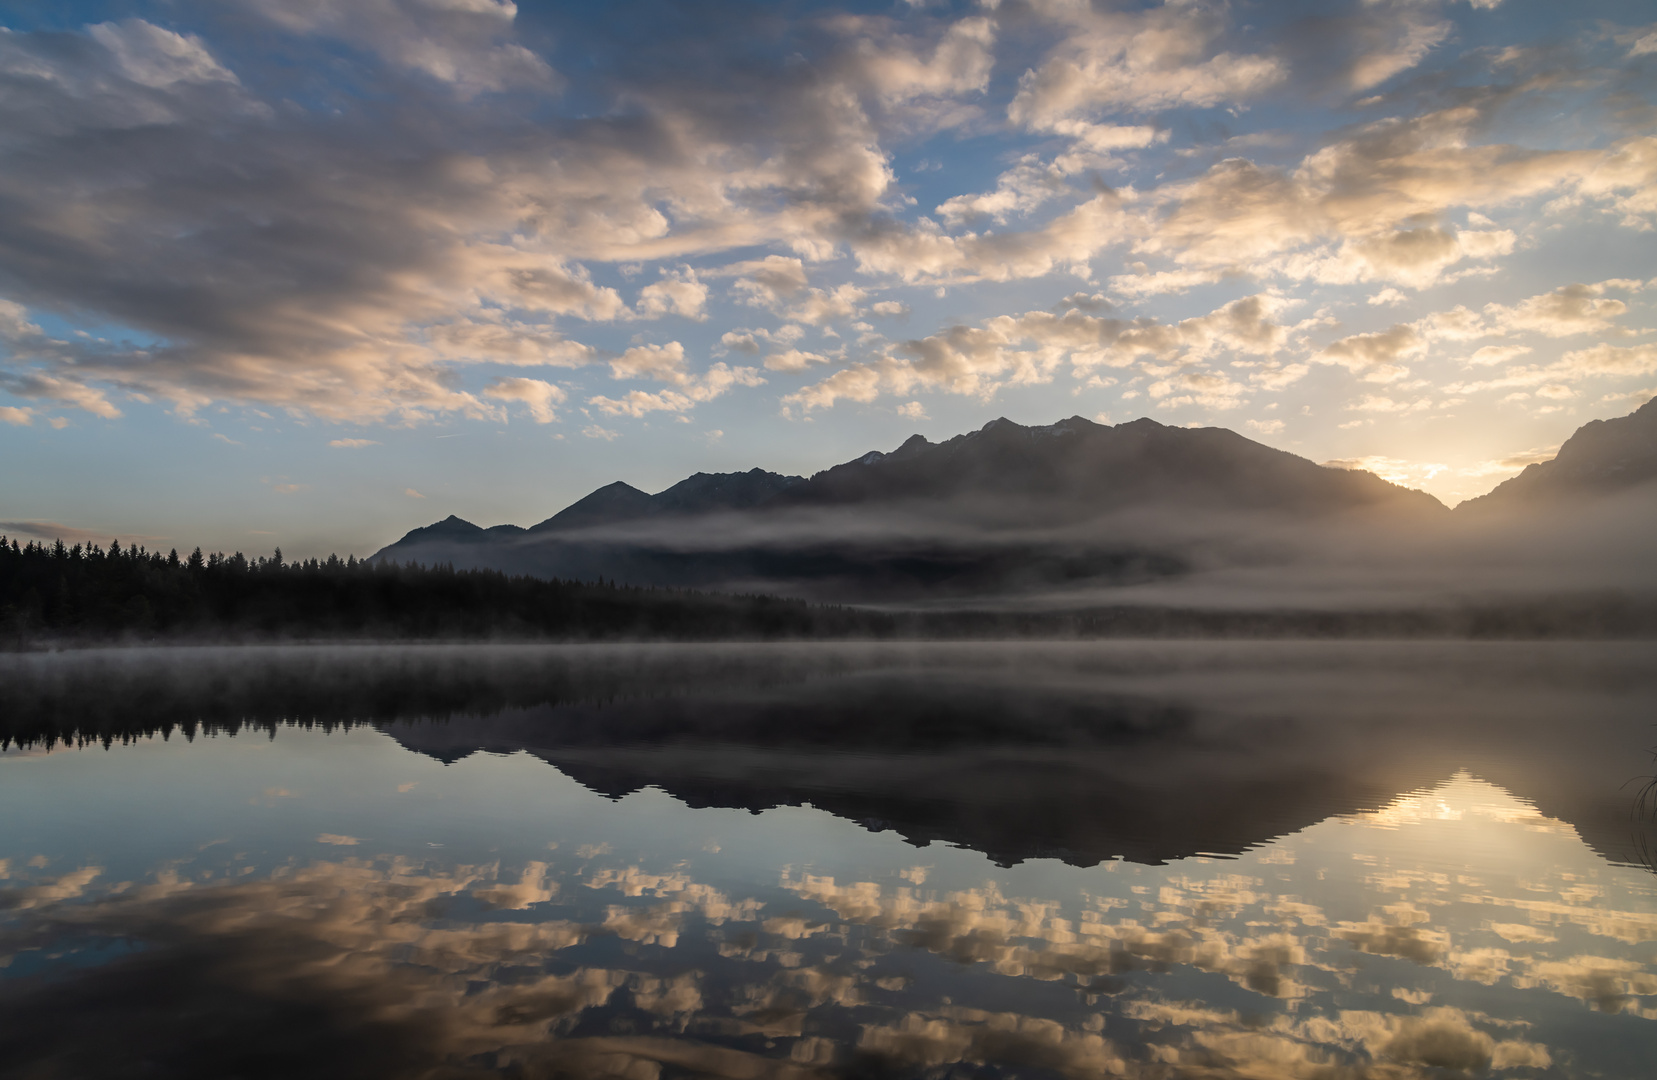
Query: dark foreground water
[(1122, 859)]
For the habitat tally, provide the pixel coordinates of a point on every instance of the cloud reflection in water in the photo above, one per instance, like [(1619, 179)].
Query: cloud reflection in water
[(1453, 929)]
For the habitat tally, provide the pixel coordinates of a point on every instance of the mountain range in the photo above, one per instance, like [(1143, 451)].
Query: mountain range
[(1004, 509)]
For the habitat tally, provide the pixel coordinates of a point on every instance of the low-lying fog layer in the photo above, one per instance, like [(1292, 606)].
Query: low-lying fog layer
[(1002, 553), (723, 861)]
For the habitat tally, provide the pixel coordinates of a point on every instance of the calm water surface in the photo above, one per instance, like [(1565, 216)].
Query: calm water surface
[(1121, 859)]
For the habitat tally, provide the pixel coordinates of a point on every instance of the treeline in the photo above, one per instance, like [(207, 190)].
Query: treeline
[(56, 594), (87, 593), (115, 695)]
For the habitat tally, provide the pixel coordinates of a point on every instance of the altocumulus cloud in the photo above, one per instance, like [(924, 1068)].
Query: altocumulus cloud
[(453, 218)]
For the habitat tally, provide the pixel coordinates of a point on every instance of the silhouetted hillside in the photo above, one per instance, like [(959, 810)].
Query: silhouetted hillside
[(1603, 457), (1076, 468), (951, 518)]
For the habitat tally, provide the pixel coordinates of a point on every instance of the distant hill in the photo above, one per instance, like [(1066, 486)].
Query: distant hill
[(951, 518), (1603, 457)]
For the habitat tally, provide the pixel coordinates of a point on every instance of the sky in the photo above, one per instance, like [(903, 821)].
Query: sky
[(308, 274)]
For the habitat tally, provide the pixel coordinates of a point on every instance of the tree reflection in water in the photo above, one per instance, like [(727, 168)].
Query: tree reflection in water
[(1456, 929)]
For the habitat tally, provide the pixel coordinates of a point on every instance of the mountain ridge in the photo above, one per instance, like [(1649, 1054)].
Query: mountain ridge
[(934, 470), (1601, 457), (1005, 508)]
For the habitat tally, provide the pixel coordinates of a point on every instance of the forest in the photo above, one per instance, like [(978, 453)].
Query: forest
[(55, 592), (53, 595)]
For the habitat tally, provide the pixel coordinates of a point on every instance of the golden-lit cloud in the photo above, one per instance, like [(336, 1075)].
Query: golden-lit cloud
[(196, 232)]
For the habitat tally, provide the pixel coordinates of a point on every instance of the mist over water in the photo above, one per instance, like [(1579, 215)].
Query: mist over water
[(1035, 860)]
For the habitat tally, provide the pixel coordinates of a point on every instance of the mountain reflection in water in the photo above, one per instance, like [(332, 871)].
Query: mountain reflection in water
[(1429, 872)]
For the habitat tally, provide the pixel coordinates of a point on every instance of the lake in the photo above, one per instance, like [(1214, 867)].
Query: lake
[(1135, 859)]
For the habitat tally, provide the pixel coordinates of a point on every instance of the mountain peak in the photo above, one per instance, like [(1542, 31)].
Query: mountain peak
[(1601, 457), (914, 444), (619, 501), (451, 528)]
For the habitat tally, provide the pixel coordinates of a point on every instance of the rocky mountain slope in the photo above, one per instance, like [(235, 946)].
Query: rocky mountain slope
[(1603, 457)]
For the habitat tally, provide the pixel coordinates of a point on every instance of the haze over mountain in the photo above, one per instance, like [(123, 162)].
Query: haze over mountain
[(1004, 508), (1077, 513)]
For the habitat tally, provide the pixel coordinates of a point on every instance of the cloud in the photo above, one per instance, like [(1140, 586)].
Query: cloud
[(1393, 39), (1491, 355), (593, 431), (355, 248), (457, 42), (924, 251), (352, 444), (1599, 361), (820, 306), (470, 245), (1374, 403), (1642, 42), (860, 382), (1568, 310), (1393, 470), (1376, 357), (893, 66), (1210, 389), (1606, 360), (690, 391), (1029, 348), (769, 281), (28, 345), (667, 364), (1137, 62), (11, 414), (1363, 208), (913, 410), (539, 396), (1017, 191), (413, 494), (69, 534), (156, 58), (1513, 463), (740, 341), (489, 337), (1035, 181), (664, 363), (793, 360), (679, 292)]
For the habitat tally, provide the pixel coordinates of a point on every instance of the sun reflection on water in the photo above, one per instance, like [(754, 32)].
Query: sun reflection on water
[(1455, 928)]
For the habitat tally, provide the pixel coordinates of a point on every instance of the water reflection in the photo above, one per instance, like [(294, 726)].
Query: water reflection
[(332, 904), (1083, 752)]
